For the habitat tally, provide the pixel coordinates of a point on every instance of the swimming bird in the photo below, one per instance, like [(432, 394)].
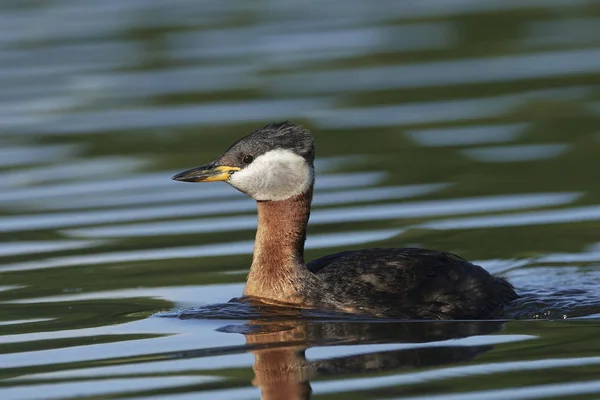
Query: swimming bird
[(274, 165)]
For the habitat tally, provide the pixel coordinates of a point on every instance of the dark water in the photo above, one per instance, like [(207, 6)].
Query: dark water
[(469, 126)]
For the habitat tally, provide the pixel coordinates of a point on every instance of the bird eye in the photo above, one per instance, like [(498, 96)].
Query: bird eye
[(247, 159)]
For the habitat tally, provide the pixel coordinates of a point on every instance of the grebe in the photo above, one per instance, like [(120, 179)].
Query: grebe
[(274, 166)]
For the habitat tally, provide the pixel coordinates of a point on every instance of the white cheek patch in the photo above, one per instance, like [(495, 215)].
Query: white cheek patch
[(275, 175)]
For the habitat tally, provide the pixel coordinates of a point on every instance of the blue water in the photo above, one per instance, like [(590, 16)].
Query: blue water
[(466, 126)]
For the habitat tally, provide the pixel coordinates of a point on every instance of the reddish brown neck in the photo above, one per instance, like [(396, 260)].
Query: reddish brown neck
[(278, 261)]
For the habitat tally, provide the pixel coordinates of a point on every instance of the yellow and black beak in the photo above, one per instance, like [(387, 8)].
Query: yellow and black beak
[(206, 173)]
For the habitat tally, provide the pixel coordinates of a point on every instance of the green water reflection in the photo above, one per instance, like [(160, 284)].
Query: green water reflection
[(103, 102)]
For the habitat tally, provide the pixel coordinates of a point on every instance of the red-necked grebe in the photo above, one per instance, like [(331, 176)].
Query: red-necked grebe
[(274, 166)]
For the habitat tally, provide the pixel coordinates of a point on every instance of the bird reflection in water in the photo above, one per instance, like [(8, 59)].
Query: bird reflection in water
[(282, 371)]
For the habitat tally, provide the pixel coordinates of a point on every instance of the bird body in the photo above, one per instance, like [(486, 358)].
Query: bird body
[(274, 165)]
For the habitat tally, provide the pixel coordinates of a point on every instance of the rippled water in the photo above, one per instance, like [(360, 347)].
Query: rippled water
[(468, 126)]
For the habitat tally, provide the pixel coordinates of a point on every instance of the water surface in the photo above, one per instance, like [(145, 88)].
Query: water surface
[(467, 126)]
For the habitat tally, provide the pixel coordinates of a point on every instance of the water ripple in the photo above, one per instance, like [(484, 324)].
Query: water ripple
[(335, 215)]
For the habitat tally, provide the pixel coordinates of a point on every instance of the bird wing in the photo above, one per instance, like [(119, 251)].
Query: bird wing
[(410, 282)]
